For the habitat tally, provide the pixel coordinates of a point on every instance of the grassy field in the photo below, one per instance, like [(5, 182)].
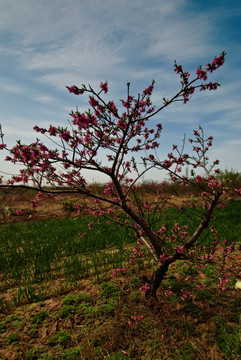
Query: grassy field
[(39, 253), (59, 301)]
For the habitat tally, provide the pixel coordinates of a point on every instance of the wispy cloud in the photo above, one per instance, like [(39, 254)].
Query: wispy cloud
[(43, 99), (57, 43), (97, 42), (12, 88), (234, 142)]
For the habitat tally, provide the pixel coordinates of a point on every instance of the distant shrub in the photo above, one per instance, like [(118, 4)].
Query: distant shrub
[(230, 176)]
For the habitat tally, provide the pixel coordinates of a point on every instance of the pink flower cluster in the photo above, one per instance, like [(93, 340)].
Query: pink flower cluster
[(134, 320), (114, 272), (148, 90), (20, 212), (104, 86), (216, 63), (186, 294), (136, 253), (201, 286), (210, 86), (75, 90), (189, 89), (223, 282), (83, 120), (238, 191), (163, 257), (144, 288), (201, 74), (169, 291)]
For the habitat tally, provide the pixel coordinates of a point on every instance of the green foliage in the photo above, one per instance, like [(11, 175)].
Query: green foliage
[(71, 354), (12, 318), (2, 326), (88, 310), (62, 338), (18, 324), (70, 299), (186, 271), (135, 282), (228, 338), (235, 313), (101, 329), (39, 317), (85, 297), (177, 285), (204, 294), (109, 308), (68, 205), (12, 339), (69, 305), (37, 353), (98, 188), (230, 175), (38, 251), (33, 332), (67, 311), (228, 221), (192, 309), (117, 356), (109, 290), (185, 352), (34, 353), (135, 295), (47, 357)]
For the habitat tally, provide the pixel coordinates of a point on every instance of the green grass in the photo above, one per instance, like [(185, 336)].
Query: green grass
[(62, 338), (34, 255), (36, 252), (12, 339), (87, 317), (99, 328), (228, 338)]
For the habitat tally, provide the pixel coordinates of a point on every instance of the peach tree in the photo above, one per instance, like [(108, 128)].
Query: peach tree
[(123, 146)]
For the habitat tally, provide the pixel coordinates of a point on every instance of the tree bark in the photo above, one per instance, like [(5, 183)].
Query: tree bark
[(162, 268), (156, 279)]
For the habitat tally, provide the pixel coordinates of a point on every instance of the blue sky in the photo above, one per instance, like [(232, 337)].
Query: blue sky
[(46, 45)]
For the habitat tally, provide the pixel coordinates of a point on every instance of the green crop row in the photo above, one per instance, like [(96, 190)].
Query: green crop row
[(34, 255)]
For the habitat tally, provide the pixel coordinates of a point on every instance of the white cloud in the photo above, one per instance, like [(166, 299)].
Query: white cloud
[(10, 87), (57, 43), (91, 39), (234, 142), (44, 99)]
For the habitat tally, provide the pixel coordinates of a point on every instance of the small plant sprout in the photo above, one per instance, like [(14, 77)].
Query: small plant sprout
[(238, 285)]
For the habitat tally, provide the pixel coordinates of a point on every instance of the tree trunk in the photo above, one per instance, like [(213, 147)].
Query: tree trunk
[(162, 268), (156, 279)]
